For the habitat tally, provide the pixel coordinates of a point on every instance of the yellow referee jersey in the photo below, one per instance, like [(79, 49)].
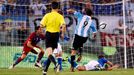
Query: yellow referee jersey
[(52, 21)]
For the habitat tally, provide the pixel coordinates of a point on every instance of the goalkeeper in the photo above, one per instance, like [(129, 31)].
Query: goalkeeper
[(30, 46), (96, 65)]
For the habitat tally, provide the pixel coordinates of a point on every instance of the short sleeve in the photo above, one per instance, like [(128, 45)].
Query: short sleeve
[(77, 14), (44, 21), (93, 27), (105, 60), (31, 37)]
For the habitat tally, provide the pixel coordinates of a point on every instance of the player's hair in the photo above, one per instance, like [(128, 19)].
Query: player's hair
[(101, 56), (88, 11), (55, 5), (36, 28)]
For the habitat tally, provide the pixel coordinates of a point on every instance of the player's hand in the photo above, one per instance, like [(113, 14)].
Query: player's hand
[(116, 66), (36, 49), (94, 36), (70, 10), (62, 36)]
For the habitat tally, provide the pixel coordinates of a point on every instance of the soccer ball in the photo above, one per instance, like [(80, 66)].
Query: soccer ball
[(102, 25)]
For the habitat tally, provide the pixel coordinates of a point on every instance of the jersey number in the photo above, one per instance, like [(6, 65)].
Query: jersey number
[(85, 24)]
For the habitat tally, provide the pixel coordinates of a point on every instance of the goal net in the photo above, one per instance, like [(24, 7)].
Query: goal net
[(18, 19)]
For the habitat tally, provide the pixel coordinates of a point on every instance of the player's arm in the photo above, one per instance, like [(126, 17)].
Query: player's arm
[(29, 44), (76, 14), (63, 30), (112, 66), (33, 47), (63, 27), (94, 30), (70, 10)]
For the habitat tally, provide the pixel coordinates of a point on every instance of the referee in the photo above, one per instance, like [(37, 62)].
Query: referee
[(54, 24)]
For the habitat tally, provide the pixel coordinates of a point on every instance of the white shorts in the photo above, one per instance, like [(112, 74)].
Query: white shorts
[(58, 49), (91, 65)]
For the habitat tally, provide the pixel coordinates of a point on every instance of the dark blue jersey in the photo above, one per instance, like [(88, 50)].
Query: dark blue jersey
[(102, 61)]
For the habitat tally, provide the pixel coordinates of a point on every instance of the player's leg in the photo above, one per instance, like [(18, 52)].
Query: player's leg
[(76, 45), (40, 55), (59, 59), (58, 54), (73, 53), (78, 67), (51, 43), (24, 54), (80, 51), (75, 64), (46, 64)]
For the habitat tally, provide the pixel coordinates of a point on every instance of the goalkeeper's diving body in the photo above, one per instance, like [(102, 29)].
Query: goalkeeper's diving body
[(83, 29), (30, 45), (96, 65)]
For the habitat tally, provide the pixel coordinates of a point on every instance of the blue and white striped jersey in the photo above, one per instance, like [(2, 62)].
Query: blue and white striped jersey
[(84, 25)]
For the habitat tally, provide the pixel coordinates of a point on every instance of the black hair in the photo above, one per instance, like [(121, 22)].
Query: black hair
[(88, 11), (55, 5), (36, 28), (101, 56)]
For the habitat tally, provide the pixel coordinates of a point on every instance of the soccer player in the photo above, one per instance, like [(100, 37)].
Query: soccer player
[(96, 65), (58, 54), (30, 45), (53, 21), (85, 24)]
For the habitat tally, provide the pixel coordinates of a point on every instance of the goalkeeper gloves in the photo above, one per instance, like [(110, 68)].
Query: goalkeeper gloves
[(37, 49)]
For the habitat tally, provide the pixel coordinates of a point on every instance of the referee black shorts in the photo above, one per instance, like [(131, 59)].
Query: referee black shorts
[(52, 39), (79, 41)]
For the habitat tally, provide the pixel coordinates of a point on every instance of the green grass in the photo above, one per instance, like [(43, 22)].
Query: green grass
[(31, 71)]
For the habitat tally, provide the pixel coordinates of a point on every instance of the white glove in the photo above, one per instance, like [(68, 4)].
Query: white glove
[(36, 49)]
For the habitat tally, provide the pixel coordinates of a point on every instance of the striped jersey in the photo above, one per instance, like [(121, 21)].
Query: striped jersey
[(84, 25)]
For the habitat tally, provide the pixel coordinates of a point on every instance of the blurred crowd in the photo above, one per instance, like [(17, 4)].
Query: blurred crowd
[(40, 7)]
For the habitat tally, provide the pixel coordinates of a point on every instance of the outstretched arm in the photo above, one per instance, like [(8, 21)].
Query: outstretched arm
[(70, 10), (112, 66)]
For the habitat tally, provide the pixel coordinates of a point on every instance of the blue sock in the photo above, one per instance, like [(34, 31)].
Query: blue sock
[(45, 62), (60, 62), (75, 64)]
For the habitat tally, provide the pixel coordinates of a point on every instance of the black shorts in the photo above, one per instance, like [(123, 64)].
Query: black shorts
[(52, 39), (78, 41)]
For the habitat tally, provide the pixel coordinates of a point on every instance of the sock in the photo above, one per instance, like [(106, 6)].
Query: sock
[(45, 62), (46, 65), (17, 61), (40, 56), (80, 51), (52, 59), (60, 62), (72, 60), (75, 64)]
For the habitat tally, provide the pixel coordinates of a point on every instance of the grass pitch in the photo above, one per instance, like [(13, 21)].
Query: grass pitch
[(33, 71)]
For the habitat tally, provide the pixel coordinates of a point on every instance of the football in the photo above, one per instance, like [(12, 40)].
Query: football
[(102, 25)]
